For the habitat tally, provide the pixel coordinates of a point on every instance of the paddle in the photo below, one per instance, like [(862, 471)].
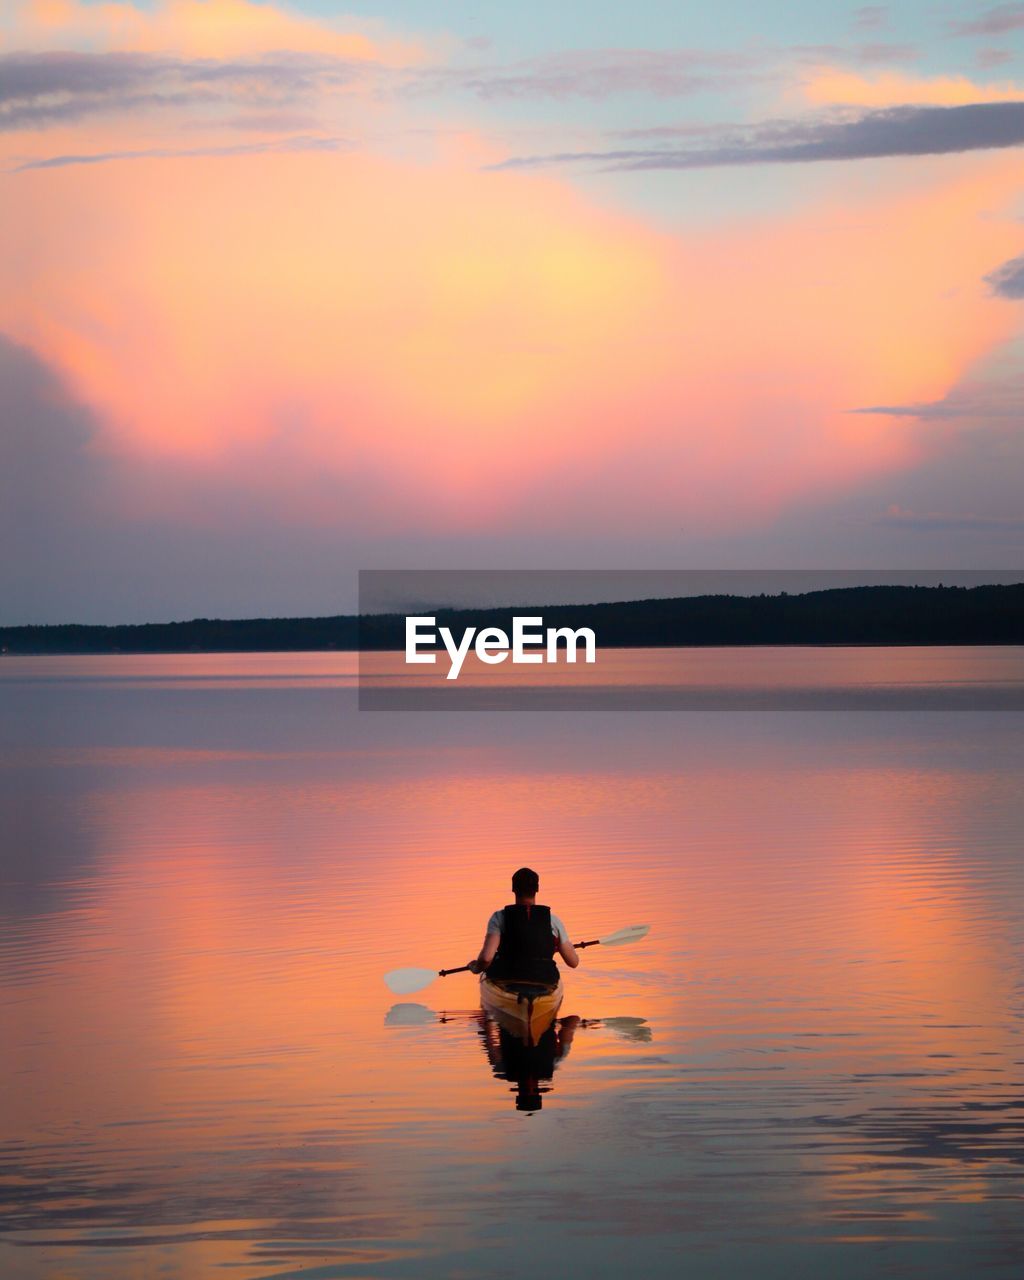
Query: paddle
[(631, 933), (404, 982)]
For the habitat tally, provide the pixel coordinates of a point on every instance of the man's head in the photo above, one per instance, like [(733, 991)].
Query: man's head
[(525, 883)]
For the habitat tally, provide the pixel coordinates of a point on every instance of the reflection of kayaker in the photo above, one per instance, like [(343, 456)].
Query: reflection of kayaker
[(521, 988), (529, 1066)]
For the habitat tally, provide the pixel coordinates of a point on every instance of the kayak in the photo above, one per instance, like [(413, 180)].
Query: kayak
[(524, 1009)]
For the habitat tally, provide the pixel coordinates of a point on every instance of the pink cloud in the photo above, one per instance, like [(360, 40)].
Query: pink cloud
[(454, 336)]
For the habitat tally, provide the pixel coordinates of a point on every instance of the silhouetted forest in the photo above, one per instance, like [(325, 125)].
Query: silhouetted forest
[(850, 615)]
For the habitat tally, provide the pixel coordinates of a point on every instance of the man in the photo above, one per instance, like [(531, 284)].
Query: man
[(523, 938)]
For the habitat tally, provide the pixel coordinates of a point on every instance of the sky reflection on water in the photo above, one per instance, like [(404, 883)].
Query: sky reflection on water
[(202, 887)]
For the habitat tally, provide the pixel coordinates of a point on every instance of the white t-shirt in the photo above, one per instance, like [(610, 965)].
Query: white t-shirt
[(496, 924)]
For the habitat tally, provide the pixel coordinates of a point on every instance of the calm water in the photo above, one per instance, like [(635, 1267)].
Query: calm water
[(814, 1062)]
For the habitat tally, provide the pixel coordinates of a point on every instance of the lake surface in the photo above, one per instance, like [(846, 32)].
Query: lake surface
[(814, 1063)]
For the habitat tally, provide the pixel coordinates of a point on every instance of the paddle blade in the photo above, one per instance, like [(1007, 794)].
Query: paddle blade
[(408, 1015), (403, 982), (631, 933), (630, 1029)]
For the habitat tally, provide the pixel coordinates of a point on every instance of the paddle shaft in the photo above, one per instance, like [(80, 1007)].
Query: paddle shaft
[(465, 968)]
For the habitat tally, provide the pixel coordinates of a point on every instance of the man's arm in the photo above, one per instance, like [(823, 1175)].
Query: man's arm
[(567, 951), (488, 951), (562, 944)]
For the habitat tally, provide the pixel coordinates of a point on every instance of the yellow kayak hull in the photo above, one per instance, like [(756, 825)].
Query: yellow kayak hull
[(523, 1009)]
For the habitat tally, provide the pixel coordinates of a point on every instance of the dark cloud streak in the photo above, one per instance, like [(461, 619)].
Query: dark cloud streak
[(998, 21), (894, 131), (172, 153), (870, 53), (870, 16), (1007, 281), (664, 73), (601, 73), (991, 401), (939, 522), (37, 89)]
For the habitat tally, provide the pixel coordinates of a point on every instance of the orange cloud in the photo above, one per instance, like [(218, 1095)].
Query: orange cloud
[(430, 320), (836, 86), (191, 28), (456, 338)]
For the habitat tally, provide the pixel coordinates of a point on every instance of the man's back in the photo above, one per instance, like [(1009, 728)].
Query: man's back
[(523, 937), (527, 944)]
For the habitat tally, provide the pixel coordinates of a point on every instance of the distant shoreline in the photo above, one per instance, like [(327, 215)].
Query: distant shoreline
[(894, 616)]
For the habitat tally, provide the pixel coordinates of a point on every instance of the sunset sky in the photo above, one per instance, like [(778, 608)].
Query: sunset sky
[(290, 291)]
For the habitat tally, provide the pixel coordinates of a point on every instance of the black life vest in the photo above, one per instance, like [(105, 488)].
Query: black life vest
[(527, 946)]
